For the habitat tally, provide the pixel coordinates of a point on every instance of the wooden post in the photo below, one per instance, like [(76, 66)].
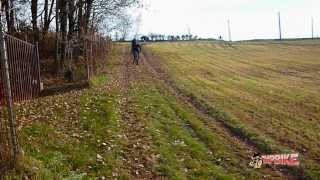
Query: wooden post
[(39, 69), (91, 56), (57, 60), (87, 59), (8, 93)]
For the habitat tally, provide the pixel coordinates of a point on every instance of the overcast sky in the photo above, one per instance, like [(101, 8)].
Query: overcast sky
[(250, 19)]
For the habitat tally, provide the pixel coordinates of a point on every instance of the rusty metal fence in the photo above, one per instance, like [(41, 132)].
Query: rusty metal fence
[(19, 81), (24, 70)]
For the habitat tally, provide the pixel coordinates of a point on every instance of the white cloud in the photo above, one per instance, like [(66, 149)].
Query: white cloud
[(249, 18)]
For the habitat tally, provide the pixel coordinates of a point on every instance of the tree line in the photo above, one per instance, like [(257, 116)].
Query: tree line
[(66, 16), (161, 37), (68, 19)]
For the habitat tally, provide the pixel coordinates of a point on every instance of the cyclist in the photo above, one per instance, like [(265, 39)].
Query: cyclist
[(135, 49)]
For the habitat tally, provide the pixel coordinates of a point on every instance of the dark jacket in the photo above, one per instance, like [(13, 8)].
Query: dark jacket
[(135, 46)]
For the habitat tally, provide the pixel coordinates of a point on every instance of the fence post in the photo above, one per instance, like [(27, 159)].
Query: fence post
[(87, 59), (8, 93), (38, 67), (91, 57)]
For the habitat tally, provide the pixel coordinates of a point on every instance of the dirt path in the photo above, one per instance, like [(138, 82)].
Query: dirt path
[(153, 65), (137, 152)]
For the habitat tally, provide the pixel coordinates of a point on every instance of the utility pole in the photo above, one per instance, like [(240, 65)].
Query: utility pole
[(229, 30), (189, 32), (312, 28), (280, 30)]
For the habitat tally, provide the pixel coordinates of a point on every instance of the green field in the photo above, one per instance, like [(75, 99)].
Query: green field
[(269, 89), (190, 110)]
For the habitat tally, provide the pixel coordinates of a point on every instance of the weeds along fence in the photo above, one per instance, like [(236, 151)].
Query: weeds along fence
[(19, 81), (96, 50), (81, 58)]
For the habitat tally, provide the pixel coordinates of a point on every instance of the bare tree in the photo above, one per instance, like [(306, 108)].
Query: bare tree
[(72, 17), (34, 21), (124, 26), (187, 36), (47, 19), (152, 36), (63, 28), (8, 6)]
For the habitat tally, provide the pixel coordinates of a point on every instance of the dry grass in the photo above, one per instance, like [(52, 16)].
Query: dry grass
[(272, 88)]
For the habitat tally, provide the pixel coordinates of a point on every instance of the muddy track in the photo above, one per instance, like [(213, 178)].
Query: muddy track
[(137, 151), (155, 68), (200, 109)]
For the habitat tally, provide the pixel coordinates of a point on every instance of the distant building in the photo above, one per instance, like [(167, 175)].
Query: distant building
[(145, 38)]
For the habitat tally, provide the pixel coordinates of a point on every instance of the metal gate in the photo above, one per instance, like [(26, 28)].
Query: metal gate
[(19, 81), (24, 70)]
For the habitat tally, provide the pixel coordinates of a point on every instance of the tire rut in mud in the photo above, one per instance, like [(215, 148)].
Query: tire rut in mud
[(201, 111), (155, 68)]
